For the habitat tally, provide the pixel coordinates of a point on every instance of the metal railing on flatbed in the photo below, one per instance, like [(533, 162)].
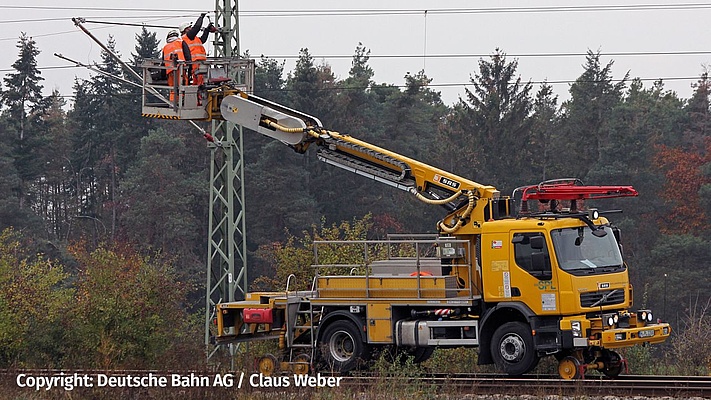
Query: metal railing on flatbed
[(401, 267)]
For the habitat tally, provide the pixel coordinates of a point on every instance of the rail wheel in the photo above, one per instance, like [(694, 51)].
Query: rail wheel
[(341, 347), (268, 365), (512, 348), (301, 364), (613, 364), (569, 368)]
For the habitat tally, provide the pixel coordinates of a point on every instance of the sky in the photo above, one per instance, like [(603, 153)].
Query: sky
[(650, 39)]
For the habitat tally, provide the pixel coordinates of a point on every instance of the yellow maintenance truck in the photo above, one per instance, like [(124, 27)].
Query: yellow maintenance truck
[(516, 281)]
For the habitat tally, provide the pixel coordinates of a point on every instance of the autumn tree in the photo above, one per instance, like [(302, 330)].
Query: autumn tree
[(684, 181), (128, 310), (295, 255), (34, 302)]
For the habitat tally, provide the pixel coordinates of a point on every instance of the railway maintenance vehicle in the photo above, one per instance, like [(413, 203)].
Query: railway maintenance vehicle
[(517, 281)]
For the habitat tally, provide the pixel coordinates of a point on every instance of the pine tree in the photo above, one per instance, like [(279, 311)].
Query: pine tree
[(698, 110), (498, 109), (147, 46), (586, 116), (25, 108), (545, 121)]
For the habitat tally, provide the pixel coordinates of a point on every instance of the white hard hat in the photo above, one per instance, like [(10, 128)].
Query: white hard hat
[(173, 33), (185, 25)]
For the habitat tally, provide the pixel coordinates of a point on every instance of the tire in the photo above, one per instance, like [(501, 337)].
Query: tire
[(421, 354), (418, 354), (512, 348), (341, 347)]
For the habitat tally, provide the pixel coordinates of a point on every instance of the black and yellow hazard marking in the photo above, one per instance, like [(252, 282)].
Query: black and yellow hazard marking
[(160, 116)]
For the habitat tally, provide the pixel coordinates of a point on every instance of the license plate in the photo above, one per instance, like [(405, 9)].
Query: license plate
[(646, 333)]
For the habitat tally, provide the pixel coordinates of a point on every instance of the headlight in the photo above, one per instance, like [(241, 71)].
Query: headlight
[(576, 328), (645, 316), (611, 319)]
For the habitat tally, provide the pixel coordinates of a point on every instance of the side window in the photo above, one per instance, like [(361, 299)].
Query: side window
[(531, 253)]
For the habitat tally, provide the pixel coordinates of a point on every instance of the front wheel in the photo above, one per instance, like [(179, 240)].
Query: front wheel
[(342, 349), (512, 348)]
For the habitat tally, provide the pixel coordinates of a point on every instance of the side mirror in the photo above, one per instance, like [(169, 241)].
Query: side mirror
[(617, 233), (618, 237)]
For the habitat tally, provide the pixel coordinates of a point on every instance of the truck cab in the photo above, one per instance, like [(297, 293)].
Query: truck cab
[(566, 281)]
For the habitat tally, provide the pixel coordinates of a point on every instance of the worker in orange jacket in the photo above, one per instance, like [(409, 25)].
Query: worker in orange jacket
[(175, 50), (189, 32)]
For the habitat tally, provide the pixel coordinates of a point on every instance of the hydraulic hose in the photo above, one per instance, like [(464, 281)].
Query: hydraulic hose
[(437, 202), (451, 229), (279, 127)]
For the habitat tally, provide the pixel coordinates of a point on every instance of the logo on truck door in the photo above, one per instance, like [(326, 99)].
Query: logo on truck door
[(446, 181)]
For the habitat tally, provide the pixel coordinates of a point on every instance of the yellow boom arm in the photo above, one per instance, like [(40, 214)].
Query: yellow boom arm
[(464, 199)]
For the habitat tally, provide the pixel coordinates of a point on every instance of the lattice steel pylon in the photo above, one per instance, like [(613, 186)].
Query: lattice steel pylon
[(226, 242)]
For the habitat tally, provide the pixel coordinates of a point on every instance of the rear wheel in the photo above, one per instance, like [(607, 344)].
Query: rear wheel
[(418, 354), (421, 354), (512, 348), (341, 347)]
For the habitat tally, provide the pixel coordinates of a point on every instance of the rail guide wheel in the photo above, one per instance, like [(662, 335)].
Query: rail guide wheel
[(301, 364), (268, 365), (614, 365), (569, 368)]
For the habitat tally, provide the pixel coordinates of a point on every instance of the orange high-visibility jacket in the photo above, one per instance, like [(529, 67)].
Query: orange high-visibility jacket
[(173, 51), (197, 50)]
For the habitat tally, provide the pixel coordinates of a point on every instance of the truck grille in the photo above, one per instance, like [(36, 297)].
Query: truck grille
[(595, 299)]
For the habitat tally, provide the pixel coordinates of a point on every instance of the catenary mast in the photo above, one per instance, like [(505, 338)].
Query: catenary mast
[(226, 241)]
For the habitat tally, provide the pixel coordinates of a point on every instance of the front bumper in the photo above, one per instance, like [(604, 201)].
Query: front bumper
[(626, 337)]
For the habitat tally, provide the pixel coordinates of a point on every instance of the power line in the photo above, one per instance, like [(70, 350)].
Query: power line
[(63, 8), (105, 27), (67, 19), (375, 11), (451, 84), (521, 55)]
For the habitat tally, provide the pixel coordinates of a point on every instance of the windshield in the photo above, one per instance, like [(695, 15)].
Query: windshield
[(577, 249)]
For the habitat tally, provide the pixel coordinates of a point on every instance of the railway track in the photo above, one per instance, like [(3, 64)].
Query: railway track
[(453, 384), (592, 385)]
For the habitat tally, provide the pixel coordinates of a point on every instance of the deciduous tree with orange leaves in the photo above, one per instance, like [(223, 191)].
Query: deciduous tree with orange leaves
[(685, 177)]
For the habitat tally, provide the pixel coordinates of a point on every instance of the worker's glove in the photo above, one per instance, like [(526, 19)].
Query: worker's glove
[(202, 15), (211, 28)]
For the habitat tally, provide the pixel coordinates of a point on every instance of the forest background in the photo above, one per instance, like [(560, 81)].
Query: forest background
[(104, 214)]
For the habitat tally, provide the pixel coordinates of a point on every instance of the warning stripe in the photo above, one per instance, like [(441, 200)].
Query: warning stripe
[(160, 116)]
